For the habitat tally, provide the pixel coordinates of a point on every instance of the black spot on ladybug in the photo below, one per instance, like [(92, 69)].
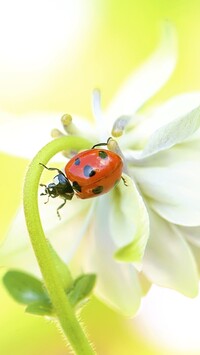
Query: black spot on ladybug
[(88, 171), (76, 186), (103, 154), (77, 161), (97, 190)]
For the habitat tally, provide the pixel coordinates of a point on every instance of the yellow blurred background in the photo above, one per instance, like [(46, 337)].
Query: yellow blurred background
[(53, 54)]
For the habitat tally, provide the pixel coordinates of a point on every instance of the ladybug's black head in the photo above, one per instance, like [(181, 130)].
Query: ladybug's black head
[(60, 187)]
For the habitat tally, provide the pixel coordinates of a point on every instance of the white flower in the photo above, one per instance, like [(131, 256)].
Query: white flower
[(134, 235)]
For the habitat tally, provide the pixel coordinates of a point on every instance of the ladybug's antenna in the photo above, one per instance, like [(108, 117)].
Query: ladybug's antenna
[(99, 144)]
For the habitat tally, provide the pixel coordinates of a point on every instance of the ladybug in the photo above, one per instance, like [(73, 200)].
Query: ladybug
[(88, 174)]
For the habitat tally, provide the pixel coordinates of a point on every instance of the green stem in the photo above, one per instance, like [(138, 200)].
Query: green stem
[(63, 309)]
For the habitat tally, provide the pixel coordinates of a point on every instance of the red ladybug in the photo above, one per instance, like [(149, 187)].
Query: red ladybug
[(88, 174)]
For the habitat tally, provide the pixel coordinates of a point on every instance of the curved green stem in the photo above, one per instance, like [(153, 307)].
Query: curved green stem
[(65, 313)]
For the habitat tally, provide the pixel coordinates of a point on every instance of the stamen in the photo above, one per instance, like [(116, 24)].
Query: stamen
[(120, 125), (68, 125), (69, 153), (114, 147), (98, 115), (96, 105), (56, 133)]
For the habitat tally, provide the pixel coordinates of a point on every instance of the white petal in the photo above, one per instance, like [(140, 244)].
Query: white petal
[(149, 78), (25, 135), (196, 252), (65, 235), (168, 260), (129, 222), (170, 181), (16, 250), (143, 126), (191, 234), (117, 283), (173, 133)]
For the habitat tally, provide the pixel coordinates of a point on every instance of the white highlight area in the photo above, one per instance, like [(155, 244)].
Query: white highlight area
[(170, 320), (32, 33)]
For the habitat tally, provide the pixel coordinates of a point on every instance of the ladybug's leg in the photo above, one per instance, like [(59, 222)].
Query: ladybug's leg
[(124, 181), (44, 193), (58, 170), (61, 206)]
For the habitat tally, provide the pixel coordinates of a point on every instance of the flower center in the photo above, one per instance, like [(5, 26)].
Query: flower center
[(120, 125)]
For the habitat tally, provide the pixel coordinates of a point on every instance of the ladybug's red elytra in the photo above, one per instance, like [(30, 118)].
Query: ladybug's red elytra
[(88, 174)]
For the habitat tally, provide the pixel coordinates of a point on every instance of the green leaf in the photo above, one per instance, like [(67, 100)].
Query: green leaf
[(82, 287), (129, 222), (24, 288), (40, 308), (173, 133)]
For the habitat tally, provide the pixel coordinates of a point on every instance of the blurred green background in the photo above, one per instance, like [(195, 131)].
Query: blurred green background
[(53, 53)]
